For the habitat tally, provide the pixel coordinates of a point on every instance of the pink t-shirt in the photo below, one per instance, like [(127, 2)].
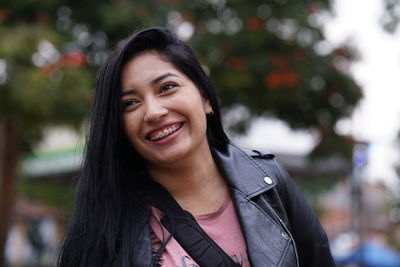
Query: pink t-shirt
[(222, 226)]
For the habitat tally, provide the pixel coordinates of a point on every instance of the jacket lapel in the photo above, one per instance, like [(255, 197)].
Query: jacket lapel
[(242, 173), (247, 180)]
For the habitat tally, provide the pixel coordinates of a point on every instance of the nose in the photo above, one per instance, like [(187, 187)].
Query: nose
[(154, 110)]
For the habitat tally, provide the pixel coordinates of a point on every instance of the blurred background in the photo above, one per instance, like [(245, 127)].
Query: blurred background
[(316, 82)]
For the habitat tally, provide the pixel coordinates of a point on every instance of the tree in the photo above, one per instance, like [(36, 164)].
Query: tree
[(274, 60), (271, 58), (39, 86)]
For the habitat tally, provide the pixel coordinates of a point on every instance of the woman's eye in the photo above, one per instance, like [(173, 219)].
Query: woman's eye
[(167, 86), (129, 104)]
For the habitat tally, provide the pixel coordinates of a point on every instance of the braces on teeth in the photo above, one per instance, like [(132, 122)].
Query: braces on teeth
[(164, 133)]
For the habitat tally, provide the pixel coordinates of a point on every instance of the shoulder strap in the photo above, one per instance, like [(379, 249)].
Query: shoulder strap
[(188, 233)]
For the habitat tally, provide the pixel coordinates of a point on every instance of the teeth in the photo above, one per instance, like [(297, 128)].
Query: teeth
[(165, 132)]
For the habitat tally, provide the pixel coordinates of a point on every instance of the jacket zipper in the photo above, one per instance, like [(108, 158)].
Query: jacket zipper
[(287, 231)]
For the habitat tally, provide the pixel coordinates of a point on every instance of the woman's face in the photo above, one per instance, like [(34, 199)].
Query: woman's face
[(164, 114)]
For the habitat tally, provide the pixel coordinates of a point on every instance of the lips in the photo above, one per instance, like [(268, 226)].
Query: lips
[(164, 132)]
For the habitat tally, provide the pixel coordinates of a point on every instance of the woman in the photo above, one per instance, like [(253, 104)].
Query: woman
[(162, 185)]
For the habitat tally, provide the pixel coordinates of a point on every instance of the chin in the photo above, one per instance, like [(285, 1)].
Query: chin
[(175, 153), (173, 157)]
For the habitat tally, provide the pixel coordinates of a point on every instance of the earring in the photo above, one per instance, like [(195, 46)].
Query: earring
[(211, 112)]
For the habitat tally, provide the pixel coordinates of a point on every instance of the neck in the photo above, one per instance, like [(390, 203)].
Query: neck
[(195, 182)]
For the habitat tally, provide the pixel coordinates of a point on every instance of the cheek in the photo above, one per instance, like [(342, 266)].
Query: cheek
[(131, 129), (199, 120)]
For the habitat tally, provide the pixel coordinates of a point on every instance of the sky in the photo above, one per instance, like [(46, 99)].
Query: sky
[(376, 119)]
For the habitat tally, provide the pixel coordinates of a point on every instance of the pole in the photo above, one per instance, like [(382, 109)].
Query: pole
[(360, 159)]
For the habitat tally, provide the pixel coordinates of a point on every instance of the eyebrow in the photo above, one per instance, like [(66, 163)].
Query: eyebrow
[(162, 76), (128, 92), (152, 82)]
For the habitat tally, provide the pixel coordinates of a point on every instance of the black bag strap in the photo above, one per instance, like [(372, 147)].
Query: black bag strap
[(187, 232)]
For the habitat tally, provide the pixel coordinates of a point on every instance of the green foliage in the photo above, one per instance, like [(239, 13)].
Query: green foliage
[(271, 57), (52, 93)]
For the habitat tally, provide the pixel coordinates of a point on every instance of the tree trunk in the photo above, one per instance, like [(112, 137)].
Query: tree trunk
[(9, 159)]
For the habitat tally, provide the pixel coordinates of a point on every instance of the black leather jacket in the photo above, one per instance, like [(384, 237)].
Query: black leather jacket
[(279, 227)]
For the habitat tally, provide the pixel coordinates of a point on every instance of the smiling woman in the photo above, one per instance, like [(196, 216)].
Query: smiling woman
[(164, 112), (161, 184)]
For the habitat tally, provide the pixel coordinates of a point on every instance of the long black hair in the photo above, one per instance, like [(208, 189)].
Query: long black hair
[(111, 211)]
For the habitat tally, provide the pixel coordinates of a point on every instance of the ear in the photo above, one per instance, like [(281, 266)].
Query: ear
[(207, 106)]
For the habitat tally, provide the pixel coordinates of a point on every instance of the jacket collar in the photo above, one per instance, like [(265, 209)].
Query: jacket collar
[(242, 172)]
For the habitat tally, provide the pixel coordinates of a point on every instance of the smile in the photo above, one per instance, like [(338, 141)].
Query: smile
[(162, 133)]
